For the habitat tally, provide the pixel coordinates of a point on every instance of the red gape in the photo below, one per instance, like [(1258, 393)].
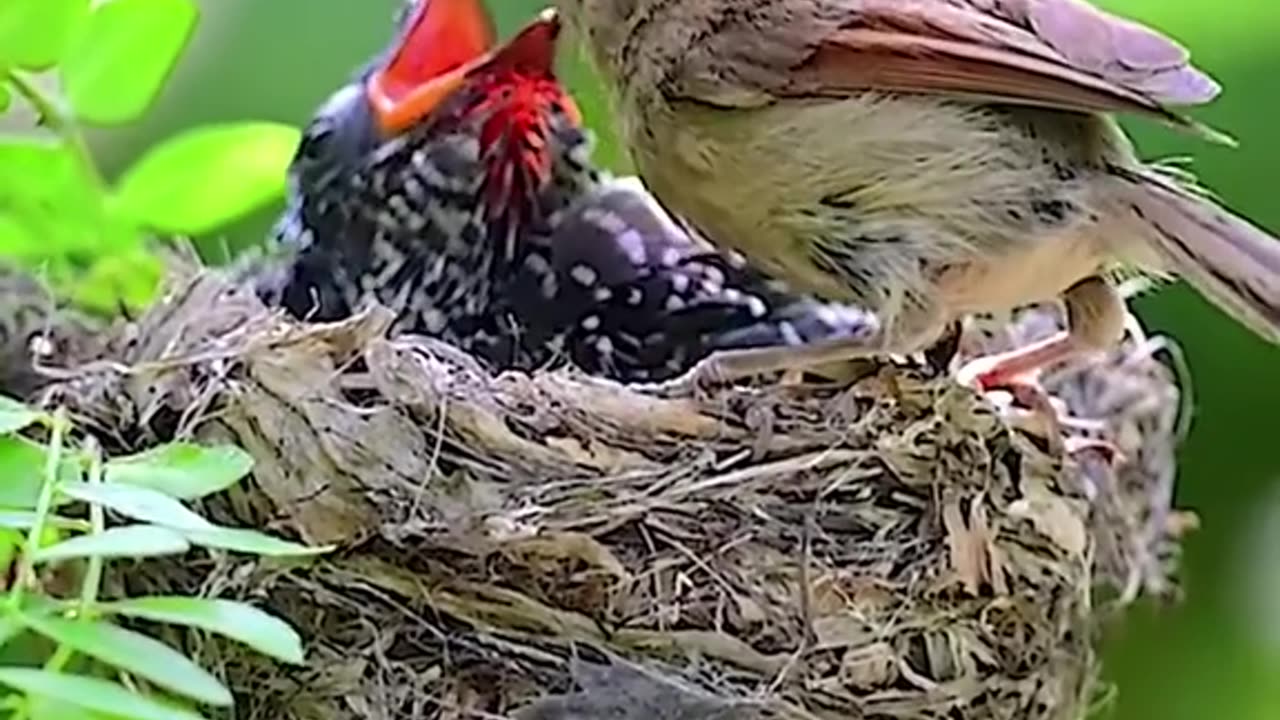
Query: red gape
[(445, 51), (441, 39)]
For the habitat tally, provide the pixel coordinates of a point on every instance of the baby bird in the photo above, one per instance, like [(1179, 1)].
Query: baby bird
[(451, 181)]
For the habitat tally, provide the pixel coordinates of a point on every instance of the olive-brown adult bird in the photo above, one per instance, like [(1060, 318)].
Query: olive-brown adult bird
[(926, 159)]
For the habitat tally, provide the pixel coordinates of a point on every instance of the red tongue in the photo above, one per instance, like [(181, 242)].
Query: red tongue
[(442, 36)]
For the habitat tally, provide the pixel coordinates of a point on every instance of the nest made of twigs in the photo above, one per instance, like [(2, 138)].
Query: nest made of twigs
[(554, 546)]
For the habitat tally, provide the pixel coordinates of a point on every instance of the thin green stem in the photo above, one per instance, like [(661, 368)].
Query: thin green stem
[(97, 518), (92, 582), (59, 659), (59, 121), (41, 103), (53, 461)]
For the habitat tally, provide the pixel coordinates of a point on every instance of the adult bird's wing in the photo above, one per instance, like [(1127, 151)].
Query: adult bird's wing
[(1062, 54)]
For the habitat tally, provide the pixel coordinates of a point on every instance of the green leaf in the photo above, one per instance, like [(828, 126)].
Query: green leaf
[(203, 178), (134, 653), (128, 279), (51, 199), (248, 541), (21, 472), (259, 630), (133, 541), (139, 503), (10, 626), (6, 97), (124, 52), (11, 543), (22, 469), (50, 535), (15, 416), (53, 219), (18, 243), (182, 470), (92, 694), (34, 33), (23, 520), (45, 707)]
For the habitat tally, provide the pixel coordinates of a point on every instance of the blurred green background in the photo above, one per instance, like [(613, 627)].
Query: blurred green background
[(1215, 656)]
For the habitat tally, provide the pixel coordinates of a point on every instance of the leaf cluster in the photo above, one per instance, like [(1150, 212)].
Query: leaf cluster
[(109, 60), (55, 495)]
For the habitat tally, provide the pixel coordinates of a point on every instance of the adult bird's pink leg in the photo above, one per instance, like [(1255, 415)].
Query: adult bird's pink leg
[(1095, 323)]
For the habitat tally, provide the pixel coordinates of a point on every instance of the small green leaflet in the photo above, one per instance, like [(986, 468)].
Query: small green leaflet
[(15, 416), (130, 278), (92, 693), (262, 632), (52, 198), (203, 178), (22, 468), (181, 470), (24, 519), (135, 653), (46, 707), (132, 541), (124, 51), (34, 33), (138, 503), (249, 541)]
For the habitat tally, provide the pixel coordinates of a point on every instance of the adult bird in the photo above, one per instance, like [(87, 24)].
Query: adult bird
[(451, 181), (926, 159)]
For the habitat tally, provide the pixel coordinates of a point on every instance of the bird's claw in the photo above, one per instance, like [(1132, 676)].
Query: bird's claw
[(696, 383), (985, 375), (1108, 451), (1031, 408), (1044, 414)]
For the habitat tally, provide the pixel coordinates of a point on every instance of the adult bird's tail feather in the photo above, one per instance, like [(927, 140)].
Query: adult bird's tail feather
[(1232, 262)]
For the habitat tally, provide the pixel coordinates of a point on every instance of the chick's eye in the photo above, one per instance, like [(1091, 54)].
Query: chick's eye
[(314, 141), (342, 112), (316, 157)]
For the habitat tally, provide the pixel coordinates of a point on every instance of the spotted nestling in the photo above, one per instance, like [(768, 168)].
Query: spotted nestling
[(453, 183)]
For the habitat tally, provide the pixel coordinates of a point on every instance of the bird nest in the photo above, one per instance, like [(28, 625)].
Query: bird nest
[(549, 545)]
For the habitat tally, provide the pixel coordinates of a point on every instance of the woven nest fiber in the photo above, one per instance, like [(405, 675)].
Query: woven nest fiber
[(554, 546)]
